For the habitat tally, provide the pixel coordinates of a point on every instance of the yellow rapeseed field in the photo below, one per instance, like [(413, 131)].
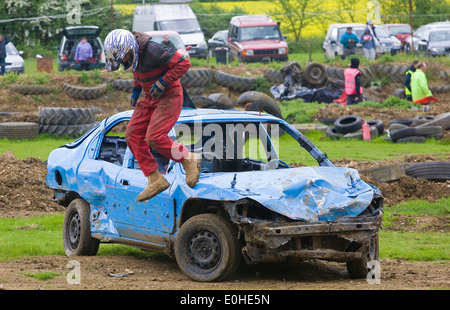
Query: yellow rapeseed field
[(329, 10)]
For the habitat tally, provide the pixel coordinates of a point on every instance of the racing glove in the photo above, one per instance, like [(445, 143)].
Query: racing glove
[(158, 88), (135, 95)]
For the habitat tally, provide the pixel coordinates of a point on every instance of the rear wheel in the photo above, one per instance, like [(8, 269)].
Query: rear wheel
[(77, 238), (207, 248)]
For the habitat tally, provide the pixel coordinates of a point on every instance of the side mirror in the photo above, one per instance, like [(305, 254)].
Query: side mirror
[(20, 53)]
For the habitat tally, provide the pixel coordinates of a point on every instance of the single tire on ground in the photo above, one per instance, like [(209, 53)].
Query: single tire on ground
[(403, 121), (378, 124), (221, 98), (31, 89), (347, 124), (264, 105), (333, 134), (19, 130), (434, 171), (201, 101), (85, 93), (66, 116), (442, 120)]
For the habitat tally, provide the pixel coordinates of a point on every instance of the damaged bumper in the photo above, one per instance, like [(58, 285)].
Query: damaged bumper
[(342, 241)]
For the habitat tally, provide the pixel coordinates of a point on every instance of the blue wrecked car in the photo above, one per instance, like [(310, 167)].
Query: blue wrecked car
[(248, 202)]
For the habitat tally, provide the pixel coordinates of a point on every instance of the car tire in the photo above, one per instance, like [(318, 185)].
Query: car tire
[(378, 124), (73, 130), (359, 269), (77, 237), (31, 89), (85, 93), (413, 139), (251, 96), (315, 74), (233, 82), (403, 121), (438, 171), (416, 131), (333, 134), (196, 78), (347, 124), (201, 101), (221, 98), (273, 76), (66, 116), (125, 85), (442, 120), (421, 119), (220, 253), (19, 130), (264, 105)]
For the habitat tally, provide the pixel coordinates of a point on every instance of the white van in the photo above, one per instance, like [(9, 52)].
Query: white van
[(174, 17)]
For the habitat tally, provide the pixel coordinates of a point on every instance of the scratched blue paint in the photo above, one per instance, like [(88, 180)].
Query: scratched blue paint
[(323, 193)]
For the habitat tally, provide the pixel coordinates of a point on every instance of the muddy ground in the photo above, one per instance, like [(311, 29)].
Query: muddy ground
[(23, 192)]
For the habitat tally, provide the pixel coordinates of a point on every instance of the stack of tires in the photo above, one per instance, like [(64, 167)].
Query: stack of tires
[(419, 128), (350, 127), (66, 121)]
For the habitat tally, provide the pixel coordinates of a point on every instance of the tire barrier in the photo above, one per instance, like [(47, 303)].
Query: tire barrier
[(19, 130), (85, 93), (233, 82), (66, 121), (197, 78), (419, 128)]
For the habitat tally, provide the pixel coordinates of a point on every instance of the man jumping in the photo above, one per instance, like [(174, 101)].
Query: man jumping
[(156, 70)]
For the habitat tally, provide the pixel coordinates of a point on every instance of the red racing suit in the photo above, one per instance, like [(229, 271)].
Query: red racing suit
[(153, 118)]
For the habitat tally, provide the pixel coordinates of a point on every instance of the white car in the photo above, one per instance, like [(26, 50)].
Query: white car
[(14, 61)]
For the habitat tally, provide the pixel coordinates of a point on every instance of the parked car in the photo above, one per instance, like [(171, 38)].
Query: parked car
[(389, 43), (14, 61), (172, 17), (332, 46), (435, 42), (174, 37), (416, 38), (400, 31), (71, 37), (248, 202), (256, 38), (219, 39)]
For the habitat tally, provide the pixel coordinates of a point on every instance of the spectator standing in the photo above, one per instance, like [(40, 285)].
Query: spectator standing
[(3, 41), (83, 53), (368, 44), (352, 83), (349, 40)]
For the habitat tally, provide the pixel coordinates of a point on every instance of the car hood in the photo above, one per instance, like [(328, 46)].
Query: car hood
[(14, 60), (440, 44), (305, 193), (192, 38), (263, 44), (403, 36)]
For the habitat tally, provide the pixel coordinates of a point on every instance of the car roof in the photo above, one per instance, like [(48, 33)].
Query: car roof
[(189, 115), (248, 20), (389, 25)]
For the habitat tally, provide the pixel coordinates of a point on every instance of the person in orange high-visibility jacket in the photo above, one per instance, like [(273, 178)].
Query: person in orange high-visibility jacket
[(352, 82), (156, 71)]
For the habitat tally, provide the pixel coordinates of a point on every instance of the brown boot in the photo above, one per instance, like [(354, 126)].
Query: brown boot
[(156, 184), (192, 165)]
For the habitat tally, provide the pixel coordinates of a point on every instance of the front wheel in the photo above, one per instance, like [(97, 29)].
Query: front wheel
[(77, 238), (207, 248), (359, 269)]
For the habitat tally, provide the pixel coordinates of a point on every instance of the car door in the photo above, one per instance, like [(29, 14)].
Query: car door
[(233, 43), (147, 221)]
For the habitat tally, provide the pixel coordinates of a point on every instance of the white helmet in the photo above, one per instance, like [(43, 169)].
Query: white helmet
[(118, 43)]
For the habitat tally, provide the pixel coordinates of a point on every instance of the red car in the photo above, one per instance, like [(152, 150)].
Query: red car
[(256, 38), (400, 31)]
